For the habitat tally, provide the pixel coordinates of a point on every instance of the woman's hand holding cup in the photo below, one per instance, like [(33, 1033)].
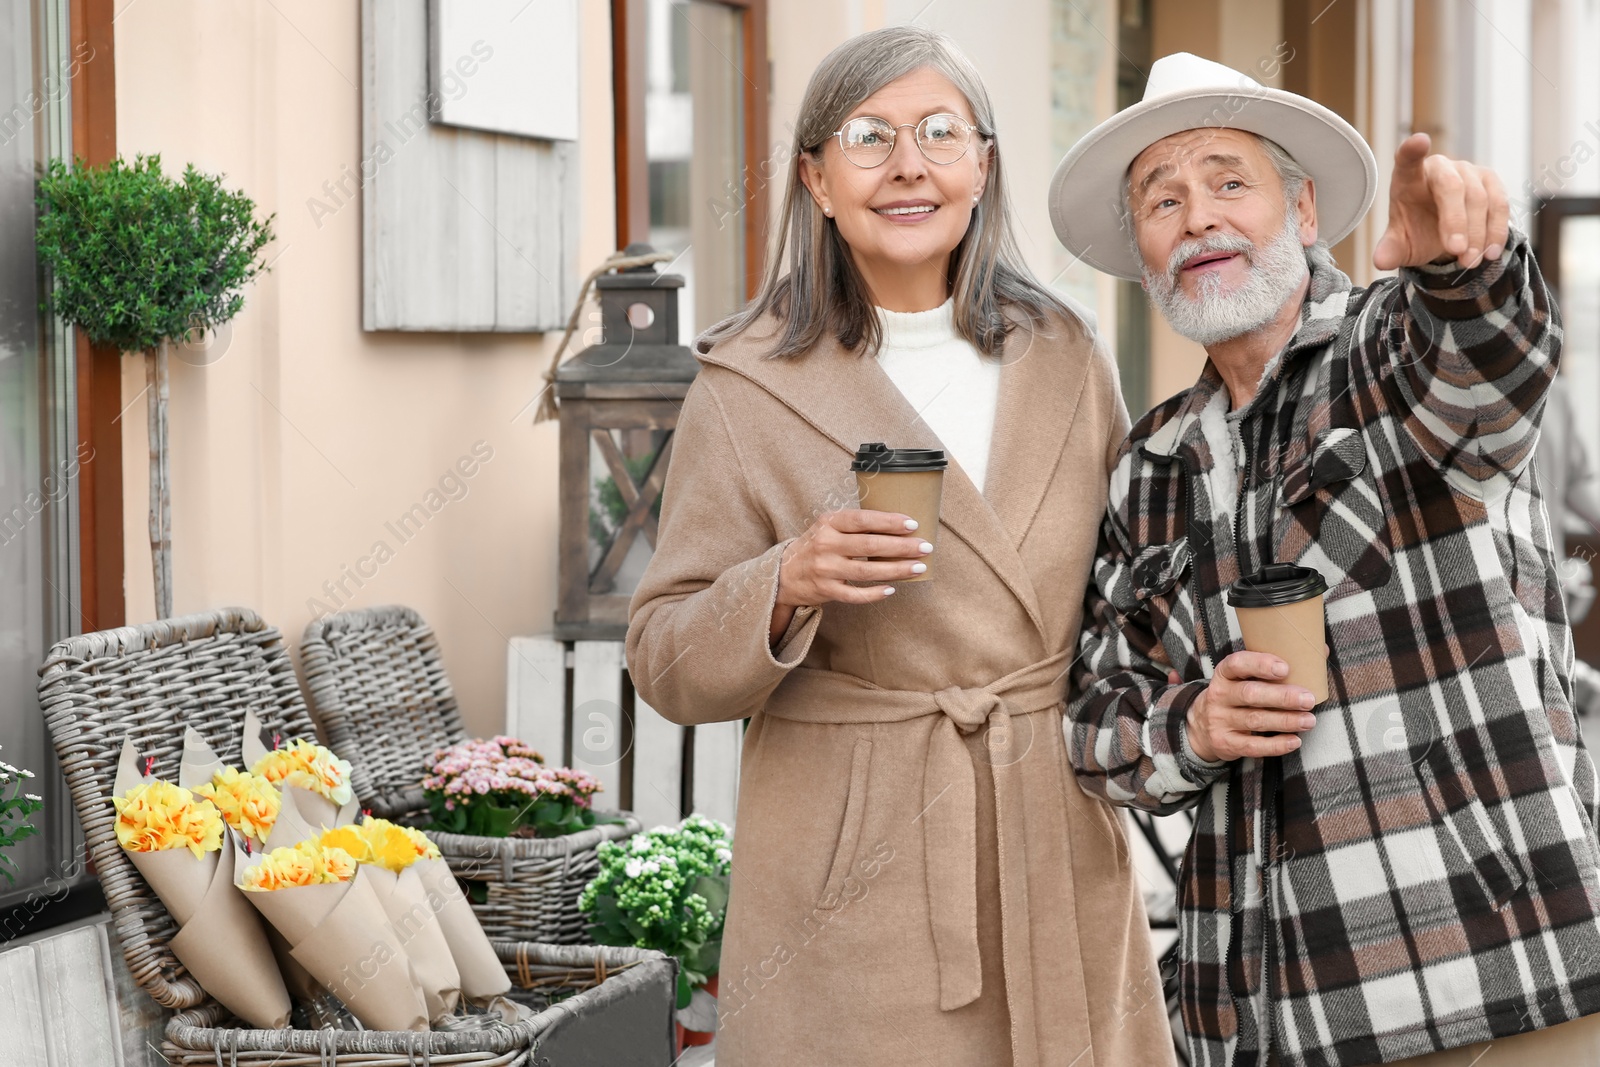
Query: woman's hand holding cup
[(820, 565), (1248, 710)]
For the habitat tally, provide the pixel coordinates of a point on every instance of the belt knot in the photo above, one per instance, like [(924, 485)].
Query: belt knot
[(969, 709)]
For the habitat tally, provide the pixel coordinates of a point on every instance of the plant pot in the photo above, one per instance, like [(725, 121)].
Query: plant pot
[(687, 1037)]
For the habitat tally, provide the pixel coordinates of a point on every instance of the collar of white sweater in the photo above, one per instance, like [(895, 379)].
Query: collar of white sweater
[(918, 329)]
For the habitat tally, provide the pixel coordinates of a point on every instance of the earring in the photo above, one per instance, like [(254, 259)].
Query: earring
[(828, 211), (976, 197)]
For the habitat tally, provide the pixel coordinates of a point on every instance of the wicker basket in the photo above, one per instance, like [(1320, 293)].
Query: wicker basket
[(149, 682), (377, 681), (610, 1006), (530, 886)]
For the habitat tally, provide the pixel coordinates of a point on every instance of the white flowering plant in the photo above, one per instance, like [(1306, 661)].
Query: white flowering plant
[(665, 889), (501, 787), (16, 808)]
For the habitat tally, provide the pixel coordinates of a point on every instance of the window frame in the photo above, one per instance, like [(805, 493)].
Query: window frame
[(632, 165)]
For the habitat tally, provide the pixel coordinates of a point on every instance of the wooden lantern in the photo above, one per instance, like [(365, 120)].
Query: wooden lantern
[(619, 404)]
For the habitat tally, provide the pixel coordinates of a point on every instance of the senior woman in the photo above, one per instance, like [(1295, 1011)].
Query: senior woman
[(916, 877)]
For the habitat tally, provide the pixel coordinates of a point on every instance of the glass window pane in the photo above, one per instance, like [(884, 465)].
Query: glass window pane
[(694, 141), (24, 495), (1580, 314)]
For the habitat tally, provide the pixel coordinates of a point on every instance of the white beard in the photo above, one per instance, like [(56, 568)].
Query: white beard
[(1215, 314)]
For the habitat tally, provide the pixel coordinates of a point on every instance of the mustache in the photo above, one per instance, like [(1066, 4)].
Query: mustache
[(1221, 242)]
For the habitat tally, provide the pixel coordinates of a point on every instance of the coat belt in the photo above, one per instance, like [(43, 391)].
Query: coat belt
[(949, 814)]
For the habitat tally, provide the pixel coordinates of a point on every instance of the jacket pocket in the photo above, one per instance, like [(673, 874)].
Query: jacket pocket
[(855, 813), (1338, 505), (1465, 828)]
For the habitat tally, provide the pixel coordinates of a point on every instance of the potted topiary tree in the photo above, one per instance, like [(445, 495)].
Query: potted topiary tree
[(139, 260)]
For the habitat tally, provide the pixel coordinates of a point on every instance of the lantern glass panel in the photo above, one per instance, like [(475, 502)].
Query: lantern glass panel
[(623, 510)]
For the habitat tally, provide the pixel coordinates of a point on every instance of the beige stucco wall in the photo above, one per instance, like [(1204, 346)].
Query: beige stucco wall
[(297, 436)]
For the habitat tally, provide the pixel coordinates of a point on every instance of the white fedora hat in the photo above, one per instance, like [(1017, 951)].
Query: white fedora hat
[(1186, 92)]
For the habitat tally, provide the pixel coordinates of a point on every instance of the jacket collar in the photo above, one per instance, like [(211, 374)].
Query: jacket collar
[(849, 399), (1321, 312)]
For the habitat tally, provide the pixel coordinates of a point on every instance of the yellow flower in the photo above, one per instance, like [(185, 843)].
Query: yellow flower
[(307, 863), (391, 847), (341, 866), (426, 849), (350, 840), (247, 801), (309, 766), (157, 816)]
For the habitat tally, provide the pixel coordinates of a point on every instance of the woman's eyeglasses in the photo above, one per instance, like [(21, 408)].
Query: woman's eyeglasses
[(868, 141)]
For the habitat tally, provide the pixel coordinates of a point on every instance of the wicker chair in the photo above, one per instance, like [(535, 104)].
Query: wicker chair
[(149, 682), (377, 682)]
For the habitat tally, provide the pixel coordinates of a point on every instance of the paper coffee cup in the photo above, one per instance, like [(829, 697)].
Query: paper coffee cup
[(907, 481), (1280, 612)]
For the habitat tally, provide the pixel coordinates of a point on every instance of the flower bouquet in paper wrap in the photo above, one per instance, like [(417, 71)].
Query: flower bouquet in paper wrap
[(180, 845), (389, 855), (317, 779), (322, 901)]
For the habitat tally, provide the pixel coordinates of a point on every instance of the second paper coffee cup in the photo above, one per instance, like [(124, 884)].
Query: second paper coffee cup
[(1280, 612), (907, 481)]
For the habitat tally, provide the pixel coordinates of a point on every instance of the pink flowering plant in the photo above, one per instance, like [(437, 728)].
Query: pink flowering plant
[(501, 787)]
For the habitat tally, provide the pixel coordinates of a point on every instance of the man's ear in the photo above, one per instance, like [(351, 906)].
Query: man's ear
[(1307, 205)]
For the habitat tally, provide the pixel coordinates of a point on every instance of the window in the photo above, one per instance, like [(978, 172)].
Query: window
[(691, 128), (40, 466)]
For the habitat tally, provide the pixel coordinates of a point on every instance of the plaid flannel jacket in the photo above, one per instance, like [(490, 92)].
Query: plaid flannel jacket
[(1421, 873)]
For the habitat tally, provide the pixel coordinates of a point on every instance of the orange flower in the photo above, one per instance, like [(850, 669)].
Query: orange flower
[(307, 863), (248, 802), (309, 766), (157, 816)]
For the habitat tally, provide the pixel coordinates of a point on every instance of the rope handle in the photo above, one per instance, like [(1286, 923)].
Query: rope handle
[(615, 261)]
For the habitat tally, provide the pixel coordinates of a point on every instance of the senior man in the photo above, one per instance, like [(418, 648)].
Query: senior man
[(1408, 870)]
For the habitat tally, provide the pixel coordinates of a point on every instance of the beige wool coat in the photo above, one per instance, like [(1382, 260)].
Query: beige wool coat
[(916, 876)]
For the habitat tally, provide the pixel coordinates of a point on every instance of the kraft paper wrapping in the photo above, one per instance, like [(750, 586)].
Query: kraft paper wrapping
[(416, 927), (341, 934), (320, 813), (483, 976), (220, 938), (200, 764), (250, 747)]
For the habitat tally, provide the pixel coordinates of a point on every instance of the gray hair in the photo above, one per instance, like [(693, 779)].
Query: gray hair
[(811, 282)]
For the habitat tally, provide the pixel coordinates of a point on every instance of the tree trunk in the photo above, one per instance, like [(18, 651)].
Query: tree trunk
[(160, 479)]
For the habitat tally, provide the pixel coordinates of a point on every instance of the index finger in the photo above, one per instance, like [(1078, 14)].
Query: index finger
[(861, 520), (1412, 151), (1244, 665)]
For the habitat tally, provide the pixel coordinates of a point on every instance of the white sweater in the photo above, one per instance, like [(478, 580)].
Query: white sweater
[(949, 383)]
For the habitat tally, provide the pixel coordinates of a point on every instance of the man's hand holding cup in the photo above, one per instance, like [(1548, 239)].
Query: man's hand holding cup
[(1249, 710)]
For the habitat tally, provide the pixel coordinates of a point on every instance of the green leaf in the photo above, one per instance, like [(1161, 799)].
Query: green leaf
[(714, 887), (685, 989)]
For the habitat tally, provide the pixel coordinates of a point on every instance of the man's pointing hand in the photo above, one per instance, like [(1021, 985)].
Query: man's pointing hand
[(1441, 207)]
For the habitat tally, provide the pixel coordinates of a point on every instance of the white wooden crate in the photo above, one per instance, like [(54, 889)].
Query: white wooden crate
[(591, 727), (59, 1003)]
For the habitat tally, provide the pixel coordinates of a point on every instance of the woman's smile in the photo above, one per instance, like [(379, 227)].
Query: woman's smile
[(907, 212)]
